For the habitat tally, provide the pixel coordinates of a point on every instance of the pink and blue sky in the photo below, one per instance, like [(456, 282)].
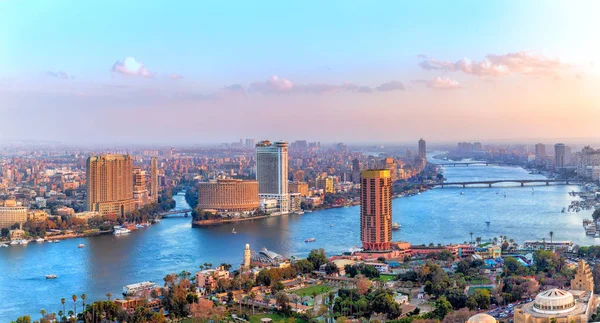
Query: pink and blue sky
[(353, 71)]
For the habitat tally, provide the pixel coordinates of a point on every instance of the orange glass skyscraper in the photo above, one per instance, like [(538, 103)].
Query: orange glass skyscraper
[(376, 209)]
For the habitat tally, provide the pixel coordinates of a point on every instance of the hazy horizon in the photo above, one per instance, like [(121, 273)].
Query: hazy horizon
[(340, 71)]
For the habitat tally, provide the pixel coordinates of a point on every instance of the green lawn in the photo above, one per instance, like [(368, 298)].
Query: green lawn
[(474, 288), (308, 291), (482, 281), (387, 278)]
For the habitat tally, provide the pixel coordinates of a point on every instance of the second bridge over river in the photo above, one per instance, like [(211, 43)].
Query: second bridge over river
[(522, 182)]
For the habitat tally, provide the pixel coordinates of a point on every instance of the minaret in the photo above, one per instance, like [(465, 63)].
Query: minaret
[(583, 279), (247, 256)]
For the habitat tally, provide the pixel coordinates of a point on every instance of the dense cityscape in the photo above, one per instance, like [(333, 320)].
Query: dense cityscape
[(52, 195)]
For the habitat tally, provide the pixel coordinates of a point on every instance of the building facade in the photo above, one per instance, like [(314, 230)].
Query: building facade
[(272, 172), (11, 213), (140, 188), (154, 180), (559, 155), (376, 210), (228, 195), (422, 149), (110, 184), (298, 187)]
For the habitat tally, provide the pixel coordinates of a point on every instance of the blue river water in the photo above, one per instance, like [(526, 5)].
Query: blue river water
[(438, 215)]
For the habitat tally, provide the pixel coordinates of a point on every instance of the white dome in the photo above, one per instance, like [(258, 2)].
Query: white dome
[(481, 318), (554, 301)]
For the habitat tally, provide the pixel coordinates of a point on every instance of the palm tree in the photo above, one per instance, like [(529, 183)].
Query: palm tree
[(252, 297), (108, 295), (83, 296), (60, 315), (74, 302), (478, 239), (471, 233), (62, 300), (71, 313), (43, 312)]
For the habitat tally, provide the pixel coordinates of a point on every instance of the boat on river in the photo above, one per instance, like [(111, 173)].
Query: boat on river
[(310, 240), (81, 245), (233, 231), (4, 245), (14, 242), (51, 276), (119, 230), (395, 226), (39, 240)]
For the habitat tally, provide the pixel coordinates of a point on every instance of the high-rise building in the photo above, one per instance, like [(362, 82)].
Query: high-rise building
[(325, 183), (249, 143), (140, 189), (559, 155), (272, 172), (422, 149), (299, 187), (540, 150), (228, 195), (376, 210), (154, 179), (110, 184)]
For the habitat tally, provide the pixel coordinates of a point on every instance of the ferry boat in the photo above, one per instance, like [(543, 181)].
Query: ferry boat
[(14, 242), (395, 226), (310, 240), (137, 287), (120, 230), (81, 245), (4, 245), (39, 240), (51, 276)]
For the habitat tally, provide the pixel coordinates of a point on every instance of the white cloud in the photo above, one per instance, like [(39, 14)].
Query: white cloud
[(440, 83), (129, 66), (523, 62), (274, 84), (391, 86)]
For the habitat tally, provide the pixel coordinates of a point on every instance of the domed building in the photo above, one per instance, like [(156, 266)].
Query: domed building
[(482, 318), (561, 306)]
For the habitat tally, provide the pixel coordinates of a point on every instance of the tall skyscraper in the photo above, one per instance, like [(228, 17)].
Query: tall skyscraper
[(110, 184), (422, 149), (559, 155), (376, 210), (140, 189), (540, 150), (154, 179), (272, 172)]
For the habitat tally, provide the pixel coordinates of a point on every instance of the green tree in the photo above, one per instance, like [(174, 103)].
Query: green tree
[(442, 308), (482, 297), (471, 303), (317, 257)]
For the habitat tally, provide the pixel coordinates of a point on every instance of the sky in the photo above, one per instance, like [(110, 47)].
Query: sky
[(161, 72)]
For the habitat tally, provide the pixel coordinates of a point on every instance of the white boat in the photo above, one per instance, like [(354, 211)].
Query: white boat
[(233, 231), (14, 242), (462, 193), (299, 212), (118, 230), (331, 225), (56, 241), (39, 240), (51, 276), (23, 242), (310, 240), (157, 220), (4, 245), (81, 245), (395, 226), (138, 287)]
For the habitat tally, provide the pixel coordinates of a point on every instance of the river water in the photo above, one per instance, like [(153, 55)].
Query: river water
[(439, 216)]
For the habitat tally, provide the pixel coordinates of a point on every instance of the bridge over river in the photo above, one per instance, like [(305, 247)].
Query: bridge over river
[(176, 213), (489, 183)]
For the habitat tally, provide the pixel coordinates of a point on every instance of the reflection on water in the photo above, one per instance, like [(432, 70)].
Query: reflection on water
[(440, 215)]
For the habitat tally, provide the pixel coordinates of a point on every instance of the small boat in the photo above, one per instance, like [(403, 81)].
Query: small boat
[(299, 212), (310, 240), (81, 245), (118, 230), (51, 276), (308, 211), (4, 245), (23, 242), (395, 226), (39, 240), (233, 231), (563, 210), (55, 241), (462, 193), (157, 220), (487, 222), (14, 242), (331, 225)]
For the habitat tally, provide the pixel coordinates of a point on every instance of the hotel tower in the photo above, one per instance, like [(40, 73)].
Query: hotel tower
[(376, 210)]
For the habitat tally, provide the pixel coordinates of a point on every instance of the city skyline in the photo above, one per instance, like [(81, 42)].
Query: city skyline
[(486, 69)]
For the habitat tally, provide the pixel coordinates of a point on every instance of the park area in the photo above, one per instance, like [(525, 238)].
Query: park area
[(310, 290)]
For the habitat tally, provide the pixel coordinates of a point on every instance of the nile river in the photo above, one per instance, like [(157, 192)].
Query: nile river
[(439, 215)]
